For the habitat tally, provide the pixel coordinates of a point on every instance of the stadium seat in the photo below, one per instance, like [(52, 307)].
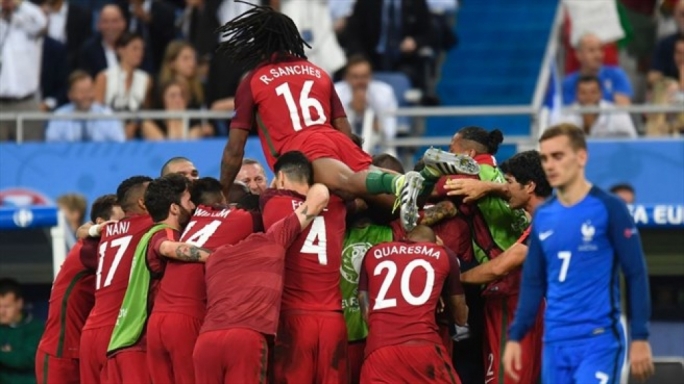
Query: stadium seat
[(668, 370)]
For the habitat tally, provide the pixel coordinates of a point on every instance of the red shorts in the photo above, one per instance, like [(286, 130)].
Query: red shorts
[(237, 355), (93, 353), (127, 367), (56, 370), (498, 316), (171, 340), (331, 144), (409, 363), (355, 357), (311, 347)]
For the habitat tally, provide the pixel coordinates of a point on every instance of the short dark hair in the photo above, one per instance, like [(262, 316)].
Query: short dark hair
[(205, 191), (588, 79), (388, 161), (489, 141), (574, 134), (126, 38), (102, 207), (296, 166), (622, 187), (9, 285), (526, 167), (238, 190), (165, 167), (357, 59), (162, 192), (130, 190), (249, 202)]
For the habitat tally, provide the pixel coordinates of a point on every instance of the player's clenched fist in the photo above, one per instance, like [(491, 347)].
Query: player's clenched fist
[(512, 359)]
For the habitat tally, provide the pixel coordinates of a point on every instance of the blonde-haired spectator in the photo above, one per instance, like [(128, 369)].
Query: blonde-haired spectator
[(180, 61), (73, 206), (174, 97)]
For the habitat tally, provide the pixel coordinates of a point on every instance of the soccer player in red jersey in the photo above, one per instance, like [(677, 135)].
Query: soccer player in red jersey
[(244, 291), (116, 249), (526, 188), (167, 200), (294, 105), (312, 334), (71, 299), (179, 307), (399, 288)]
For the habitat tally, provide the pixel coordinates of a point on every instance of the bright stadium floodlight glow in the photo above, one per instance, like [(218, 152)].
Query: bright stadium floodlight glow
[(36, 217)]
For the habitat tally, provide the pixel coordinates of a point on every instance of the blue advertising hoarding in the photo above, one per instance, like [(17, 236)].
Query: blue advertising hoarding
[(36, 174)]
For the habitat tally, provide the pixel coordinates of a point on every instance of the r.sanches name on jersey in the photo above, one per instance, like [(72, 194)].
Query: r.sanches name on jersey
[(291, 70), (222, 213), (116, 229), (406, 250)]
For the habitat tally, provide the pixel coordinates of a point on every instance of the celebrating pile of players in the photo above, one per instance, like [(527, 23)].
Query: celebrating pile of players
[(348, 269)]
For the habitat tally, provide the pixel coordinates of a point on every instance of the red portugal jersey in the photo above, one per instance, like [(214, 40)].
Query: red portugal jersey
[(283, 99), (245, 280), (312, 265), (116, 251), (210, 227), (404, 281), (71, 299)]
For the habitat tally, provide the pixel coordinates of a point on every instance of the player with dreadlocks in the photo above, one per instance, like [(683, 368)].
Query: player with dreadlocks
[(294, 105)]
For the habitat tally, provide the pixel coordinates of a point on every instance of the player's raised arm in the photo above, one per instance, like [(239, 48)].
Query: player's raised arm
[(626, 241), (364, 301), (498, 267), (183, 251), (232, 158), (316, 200)]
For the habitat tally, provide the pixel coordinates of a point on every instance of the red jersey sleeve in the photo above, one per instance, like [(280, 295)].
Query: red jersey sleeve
[(244, 105), (155, 260), (525, 237), (285, 231), (88, 253), (337, 109), (453, 282)]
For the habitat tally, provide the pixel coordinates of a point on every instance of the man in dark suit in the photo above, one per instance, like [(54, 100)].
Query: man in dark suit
[(155, 21), (70, 24), (98, 52), (54, 73), (391, 33)]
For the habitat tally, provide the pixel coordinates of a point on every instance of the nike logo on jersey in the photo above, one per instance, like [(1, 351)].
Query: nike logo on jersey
[(545, 235)]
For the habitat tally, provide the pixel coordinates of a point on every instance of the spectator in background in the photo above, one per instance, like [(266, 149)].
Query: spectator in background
[(125, 87), (68, 23), (73, 206), (314, 20), (175, 96), (340, 10), (182, 166), (668, 91), (99, 52), (19, 336), (614, 82), (21, 25), (625, 192), (588, 94), (54, 74), (252, 175), (82, 97), (662, 64), (180, 63), (392, 33), (359, 92), (154, 20)]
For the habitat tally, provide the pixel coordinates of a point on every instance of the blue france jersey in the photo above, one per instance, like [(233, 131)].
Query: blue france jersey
[(573, 257)]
